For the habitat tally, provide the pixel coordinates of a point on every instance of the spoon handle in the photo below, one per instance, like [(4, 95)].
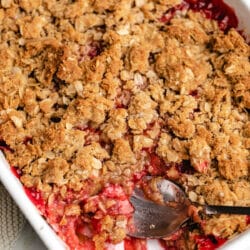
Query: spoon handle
[(227, 210)]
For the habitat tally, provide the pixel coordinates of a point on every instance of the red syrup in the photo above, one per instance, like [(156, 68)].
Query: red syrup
[(194, 93), (138, 176), (122, 205), (95, 49), (5, 147), (209, 242), (212, 9), (248, 219), (17, 172), (27, 139), (155, 165), (134, 244)]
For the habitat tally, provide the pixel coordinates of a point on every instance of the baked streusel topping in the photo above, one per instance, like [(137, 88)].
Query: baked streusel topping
[(96, 94)]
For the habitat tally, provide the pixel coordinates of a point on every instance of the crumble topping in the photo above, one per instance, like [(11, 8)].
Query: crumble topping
[(96, 94)]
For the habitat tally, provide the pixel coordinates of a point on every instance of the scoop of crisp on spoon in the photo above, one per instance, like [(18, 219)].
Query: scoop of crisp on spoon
[(168, 212)]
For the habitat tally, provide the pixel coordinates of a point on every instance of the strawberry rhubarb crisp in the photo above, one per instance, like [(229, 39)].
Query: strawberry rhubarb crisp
[(96, 94)]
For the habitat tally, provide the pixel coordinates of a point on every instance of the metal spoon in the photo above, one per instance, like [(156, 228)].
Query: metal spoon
[(153, 220)]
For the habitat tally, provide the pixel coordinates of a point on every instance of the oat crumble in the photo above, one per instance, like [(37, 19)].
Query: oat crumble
[(96, 94)]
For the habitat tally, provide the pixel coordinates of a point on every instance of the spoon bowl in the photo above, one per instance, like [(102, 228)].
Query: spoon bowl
[(159, 220), (153, 220)]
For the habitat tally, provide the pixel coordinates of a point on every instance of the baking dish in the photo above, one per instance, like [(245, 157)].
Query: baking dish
[(48, 235)]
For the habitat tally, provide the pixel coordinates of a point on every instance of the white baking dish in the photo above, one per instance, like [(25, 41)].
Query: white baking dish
[(51, 240)]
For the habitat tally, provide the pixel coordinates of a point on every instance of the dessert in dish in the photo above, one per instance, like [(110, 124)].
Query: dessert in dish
[(97, 94)]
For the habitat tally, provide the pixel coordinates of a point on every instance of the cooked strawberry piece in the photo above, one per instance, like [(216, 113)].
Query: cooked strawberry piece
[(135, 244), (113, 191), (97, 226), (121, 207), (202, 167), (156, 165)]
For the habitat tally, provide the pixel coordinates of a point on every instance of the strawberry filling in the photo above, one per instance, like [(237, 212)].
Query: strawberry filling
[(215, 9), (134, 244), (248, 220), (209, 242)]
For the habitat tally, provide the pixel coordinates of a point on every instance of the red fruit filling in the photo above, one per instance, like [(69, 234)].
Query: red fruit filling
[(216, 10), (4, 146), (212, 9), (248, 220), (17, 172), (209, 242), (135, 244), (36, 197)]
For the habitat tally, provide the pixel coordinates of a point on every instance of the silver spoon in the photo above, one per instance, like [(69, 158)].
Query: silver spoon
[(153, 220)]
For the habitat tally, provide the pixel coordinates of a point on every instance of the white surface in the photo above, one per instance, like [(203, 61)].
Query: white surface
[(242, 242), (28, 240), (242, 8)]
